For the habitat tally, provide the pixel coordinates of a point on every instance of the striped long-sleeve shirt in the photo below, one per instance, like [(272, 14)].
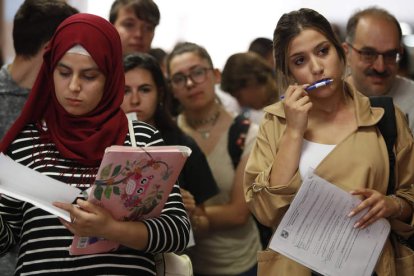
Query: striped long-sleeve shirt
[(44, 241)]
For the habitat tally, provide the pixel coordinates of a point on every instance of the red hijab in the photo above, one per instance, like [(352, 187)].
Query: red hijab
[(81, 138)]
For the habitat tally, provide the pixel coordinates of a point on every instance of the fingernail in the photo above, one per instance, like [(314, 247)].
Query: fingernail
[(351, 214), (356, 225)]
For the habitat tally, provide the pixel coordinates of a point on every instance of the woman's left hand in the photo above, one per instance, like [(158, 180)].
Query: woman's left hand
[(380, 206), (87, 220)]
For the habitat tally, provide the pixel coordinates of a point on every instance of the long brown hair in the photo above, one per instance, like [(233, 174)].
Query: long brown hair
[(291, 25)]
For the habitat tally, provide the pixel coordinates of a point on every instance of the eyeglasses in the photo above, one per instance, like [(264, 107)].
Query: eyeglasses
[(197, 75), (370, 56)]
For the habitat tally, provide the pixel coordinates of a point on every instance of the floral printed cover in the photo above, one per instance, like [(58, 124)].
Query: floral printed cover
[(133, 183)]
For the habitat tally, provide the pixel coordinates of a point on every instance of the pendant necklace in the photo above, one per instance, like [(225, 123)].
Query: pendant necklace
[(205, 134)]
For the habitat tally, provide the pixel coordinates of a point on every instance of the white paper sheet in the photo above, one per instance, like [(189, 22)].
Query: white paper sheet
[(317, 233), (25, 184)]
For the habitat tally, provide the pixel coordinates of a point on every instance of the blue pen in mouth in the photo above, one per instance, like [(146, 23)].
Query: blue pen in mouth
[(316, 84), (319, 83)]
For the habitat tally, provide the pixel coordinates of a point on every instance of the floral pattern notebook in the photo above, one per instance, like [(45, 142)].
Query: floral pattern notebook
[(133, 183)]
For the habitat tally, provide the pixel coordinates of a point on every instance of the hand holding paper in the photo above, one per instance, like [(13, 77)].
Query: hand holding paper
[(379, 205), (316, 231)]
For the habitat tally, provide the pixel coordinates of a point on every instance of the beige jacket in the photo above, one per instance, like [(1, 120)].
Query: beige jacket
[(360, 160)]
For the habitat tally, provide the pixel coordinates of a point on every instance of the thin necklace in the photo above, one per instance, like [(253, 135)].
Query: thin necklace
[(204, 133), (199, 122)]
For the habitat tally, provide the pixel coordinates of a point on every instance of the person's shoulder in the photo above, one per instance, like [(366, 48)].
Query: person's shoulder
[(23, 142), (4, 72), (402, 85), (8, 86), (409, 83), (229, 102), (402, 79), (6, 81)]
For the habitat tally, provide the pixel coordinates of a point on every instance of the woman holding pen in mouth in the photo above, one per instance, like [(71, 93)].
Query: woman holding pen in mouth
[(322, 122)]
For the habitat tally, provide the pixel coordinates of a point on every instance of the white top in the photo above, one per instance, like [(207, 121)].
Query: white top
[(255, 115), (229, 102), (312, 154)]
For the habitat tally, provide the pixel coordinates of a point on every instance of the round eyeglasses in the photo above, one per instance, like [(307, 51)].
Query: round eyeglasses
[(197, 75)]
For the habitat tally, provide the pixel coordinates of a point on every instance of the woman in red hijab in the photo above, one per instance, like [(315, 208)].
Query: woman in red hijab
[(72, 114)]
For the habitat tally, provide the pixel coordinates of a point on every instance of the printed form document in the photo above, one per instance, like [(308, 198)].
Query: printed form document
[(316, 232)]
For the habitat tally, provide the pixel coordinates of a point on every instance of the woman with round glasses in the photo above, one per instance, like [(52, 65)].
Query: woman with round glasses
[(230, 239), (196, 75)]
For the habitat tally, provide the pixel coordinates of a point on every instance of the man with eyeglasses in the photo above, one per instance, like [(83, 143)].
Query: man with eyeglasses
[(373, 47)]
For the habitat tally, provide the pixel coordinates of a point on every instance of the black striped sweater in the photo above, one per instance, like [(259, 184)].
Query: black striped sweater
[(44, 241)]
